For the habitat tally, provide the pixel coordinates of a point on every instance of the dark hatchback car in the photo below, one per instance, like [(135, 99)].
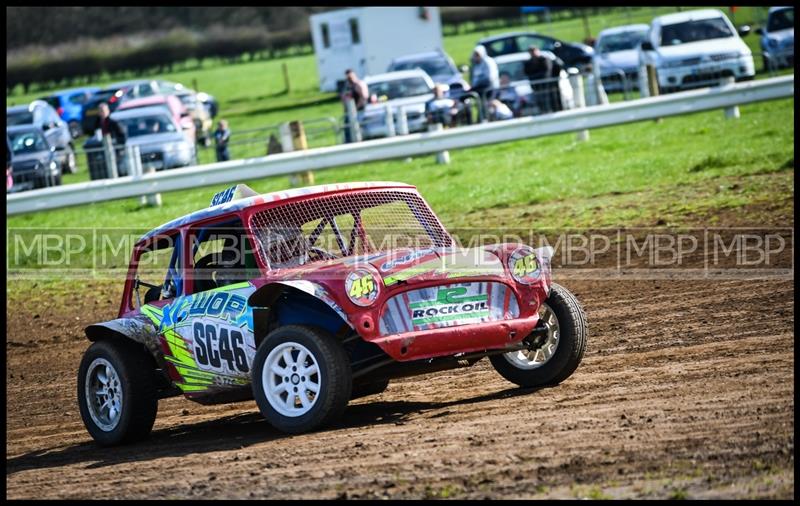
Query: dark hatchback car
[(573, 54), (34, 163), (40, 114)]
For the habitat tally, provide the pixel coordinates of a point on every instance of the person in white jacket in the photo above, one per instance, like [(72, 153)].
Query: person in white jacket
[(484, 77)]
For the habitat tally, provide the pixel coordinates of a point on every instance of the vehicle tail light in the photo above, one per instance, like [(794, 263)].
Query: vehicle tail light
[(60, 111)]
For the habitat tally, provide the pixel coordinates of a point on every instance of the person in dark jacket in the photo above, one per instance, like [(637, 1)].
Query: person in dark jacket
[(108, 126), (221, 137), (543, 72)]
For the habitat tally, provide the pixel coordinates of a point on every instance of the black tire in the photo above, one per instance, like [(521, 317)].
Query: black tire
[(135, 369), (70, 165), (363, 389), (335, 380), (569, 352)]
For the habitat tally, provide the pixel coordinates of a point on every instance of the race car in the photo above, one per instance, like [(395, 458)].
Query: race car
[(307, 298)]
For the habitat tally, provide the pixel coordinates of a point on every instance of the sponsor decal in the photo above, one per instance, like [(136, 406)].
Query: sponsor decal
[(405, 259), (450, 304)]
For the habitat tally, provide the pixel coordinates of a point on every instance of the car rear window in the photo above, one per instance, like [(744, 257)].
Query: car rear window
[(147, 125)]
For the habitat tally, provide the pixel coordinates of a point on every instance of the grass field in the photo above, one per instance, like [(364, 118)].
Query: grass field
[(623, 175)]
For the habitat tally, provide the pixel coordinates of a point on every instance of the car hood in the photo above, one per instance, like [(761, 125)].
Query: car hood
[(782, 37), (27, 161), (618, 59), (416, 104), (704, 47), (155, 141)]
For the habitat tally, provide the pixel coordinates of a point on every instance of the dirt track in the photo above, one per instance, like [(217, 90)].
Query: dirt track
[(686, 390)]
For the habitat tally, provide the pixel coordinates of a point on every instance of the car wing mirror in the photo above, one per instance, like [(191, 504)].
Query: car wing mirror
[(744, 30)]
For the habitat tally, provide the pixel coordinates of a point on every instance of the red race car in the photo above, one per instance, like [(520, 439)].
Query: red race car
[(307, 298)]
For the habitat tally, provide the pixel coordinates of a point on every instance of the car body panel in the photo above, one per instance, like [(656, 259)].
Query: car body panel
[(573, 54), (778, 45), (608, 65), (428, 302)]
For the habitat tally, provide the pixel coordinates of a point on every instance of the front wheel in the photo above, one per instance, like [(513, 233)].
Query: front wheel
[(556, 358), (117, 392), (301, 378)]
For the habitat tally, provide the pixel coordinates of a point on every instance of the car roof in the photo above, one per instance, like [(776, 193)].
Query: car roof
[(779, 8), (285, 195), (682, 17), (624, 28), (73, 90), (27, 107), (399, 74), (506, 35), (427, 55), (506, 58), (137, 112), (136, 103)]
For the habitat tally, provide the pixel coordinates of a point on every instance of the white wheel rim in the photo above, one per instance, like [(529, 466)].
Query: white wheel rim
[(537, 357), (103, 391), (292, 379)]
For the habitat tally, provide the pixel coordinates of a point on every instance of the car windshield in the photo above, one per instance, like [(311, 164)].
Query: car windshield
[(621, 41), (514, 69), (781, 20), (147, 125), (27, 142), (19, 118), (693, 31), (399, 88), (430, 66), (344, 225)]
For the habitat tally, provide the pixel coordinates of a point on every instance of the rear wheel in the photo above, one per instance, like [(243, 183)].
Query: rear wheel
[(301, 378), (556, 358), (117, 392)]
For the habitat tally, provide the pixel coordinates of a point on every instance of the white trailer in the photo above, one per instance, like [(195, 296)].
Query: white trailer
[(366, 39)]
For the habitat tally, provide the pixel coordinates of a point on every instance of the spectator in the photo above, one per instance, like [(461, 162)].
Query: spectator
[(499, 111), (543, 72), (108, 126), (355, 89), (441, 109), (508, 95), (483, 77), (221, 137)]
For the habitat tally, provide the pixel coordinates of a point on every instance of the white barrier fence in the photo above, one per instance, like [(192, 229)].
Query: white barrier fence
[(575, 120)]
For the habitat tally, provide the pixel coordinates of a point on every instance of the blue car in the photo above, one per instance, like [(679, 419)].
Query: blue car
[(777, 38), (69, 105)]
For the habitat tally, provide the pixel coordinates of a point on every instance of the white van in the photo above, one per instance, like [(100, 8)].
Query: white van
[(695, 49), (366, 39)]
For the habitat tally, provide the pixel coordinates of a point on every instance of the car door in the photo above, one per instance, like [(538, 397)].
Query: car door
[(218, 327)]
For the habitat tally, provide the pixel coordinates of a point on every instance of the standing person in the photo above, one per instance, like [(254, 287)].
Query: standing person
[(355, 89), (221, 137), (545, 69), (109, 127), (483, 75)]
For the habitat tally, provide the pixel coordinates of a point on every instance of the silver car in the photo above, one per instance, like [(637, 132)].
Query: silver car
[(160, 140), (409, 89)]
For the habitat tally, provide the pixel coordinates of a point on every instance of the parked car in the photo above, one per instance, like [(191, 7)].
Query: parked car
[(439, 66), (696, 48), (69, 105), (34, 162), (42, 115), (170, 103), (409, 89), (777, 38), (558, 94), (616, 56), (274, 298), (160, 138), (203, 124), (573, 54), (113, 94)]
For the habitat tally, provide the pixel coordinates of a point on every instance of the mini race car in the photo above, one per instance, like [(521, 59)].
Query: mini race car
[(308, 298)]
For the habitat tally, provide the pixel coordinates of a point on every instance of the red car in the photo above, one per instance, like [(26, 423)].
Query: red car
[(173, 105), (307, 298)]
